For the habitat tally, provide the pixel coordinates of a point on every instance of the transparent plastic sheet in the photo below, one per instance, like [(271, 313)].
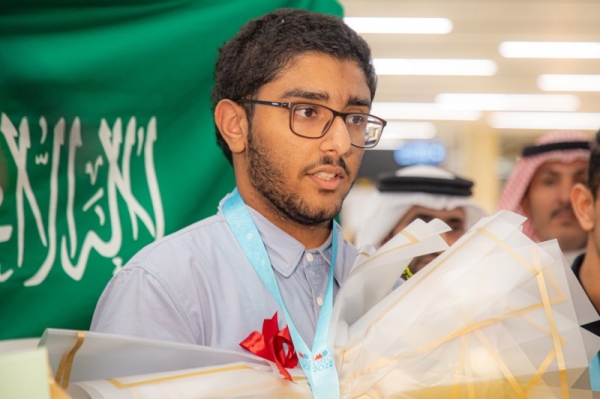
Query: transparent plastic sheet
[(375, 273), (495, 316), (236, 380), (491, 317)]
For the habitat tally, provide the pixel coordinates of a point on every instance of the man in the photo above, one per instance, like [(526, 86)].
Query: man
[(539, 188), (418, 192), (291, 99), (586, 204)]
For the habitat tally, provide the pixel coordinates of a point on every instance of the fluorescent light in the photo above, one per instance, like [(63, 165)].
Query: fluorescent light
[(395, 130), (391, 144), (400, 25), (545, 120), (441, 67), (569, 82), (420, 111), (508, 102), (396, 133), (550, 49)]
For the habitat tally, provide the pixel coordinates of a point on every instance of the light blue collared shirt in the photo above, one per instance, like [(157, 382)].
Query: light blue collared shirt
[(197, 286)]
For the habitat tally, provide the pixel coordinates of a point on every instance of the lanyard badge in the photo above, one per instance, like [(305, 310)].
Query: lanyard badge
[(317, 363)]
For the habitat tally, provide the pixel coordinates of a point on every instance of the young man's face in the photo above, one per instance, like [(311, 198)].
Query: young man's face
[(547, 203), (306, 179), (455, 218)]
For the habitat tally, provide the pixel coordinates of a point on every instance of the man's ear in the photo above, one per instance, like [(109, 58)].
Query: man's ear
[(230, 118), (583, 206)]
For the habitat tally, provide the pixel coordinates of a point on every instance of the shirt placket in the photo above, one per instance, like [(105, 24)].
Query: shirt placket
[(317, 272)]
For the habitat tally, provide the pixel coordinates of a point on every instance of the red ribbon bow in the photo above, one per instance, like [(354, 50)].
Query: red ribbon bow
[(274, 345)]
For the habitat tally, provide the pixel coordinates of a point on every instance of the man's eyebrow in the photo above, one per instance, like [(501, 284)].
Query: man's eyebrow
[(322, 96), (308, 95), (361, 102)]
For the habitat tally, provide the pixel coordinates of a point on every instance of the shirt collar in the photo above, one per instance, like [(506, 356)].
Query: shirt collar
[(284, 250)]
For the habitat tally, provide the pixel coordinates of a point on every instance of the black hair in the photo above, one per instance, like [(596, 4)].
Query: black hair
[(594, 166), (264, 46)]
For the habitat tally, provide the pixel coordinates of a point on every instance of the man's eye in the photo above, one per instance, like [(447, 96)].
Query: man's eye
[(357, 119), (306, 111)]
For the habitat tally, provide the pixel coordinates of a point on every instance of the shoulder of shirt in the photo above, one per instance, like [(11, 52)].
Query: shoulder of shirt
[(204, 231), (199, 238)]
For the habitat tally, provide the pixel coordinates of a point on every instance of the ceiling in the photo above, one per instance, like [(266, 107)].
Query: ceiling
[(478, 29)]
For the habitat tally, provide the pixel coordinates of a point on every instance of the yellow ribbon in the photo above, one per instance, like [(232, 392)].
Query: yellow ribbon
[(56, 392), (474, 328), (63, 374), (121, 385)]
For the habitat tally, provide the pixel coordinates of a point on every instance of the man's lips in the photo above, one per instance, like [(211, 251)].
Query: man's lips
[(326, 180), (328, 173), (325, 175)]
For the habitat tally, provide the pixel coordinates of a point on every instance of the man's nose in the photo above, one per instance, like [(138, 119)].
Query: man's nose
[(565, 192), (337, 138)]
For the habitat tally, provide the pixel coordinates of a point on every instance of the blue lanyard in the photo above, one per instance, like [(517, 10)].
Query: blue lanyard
[(318, 363)]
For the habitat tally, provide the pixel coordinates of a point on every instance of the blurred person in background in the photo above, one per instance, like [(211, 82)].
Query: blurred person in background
[(418, 192), (539, 188)]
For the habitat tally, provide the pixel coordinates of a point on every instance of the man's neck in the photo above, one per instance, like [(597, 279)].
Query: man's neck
[(309, 236)]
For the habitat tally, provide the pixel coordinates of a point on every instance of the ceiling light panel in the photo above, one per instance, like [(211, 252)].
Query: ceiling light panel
[(545, 120), (400, 25), (507, 102), (435, 67), (589, 50), (396, 133), (409, 130), (420, 111), (569, 82)]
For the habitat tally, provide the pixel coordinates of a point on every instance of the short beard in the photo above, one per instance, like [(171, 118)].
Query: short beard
[(269, 181)]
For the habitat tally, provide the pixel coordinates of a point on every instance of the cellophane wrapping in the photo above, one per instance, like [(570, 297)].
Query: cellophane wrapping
[(494, 316)]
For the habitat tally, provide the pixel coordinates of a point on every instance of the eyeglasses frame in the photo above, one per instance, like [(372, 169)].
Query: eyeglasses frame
[(290, 106)]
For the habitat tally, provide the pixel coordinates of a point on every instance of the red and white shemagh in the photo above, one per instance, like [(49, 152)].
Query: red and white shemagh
[(524, 170)]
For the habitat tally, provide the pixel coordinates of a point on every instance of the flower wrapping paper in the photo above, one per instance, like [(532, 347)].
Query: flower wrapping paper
[(495, 316)]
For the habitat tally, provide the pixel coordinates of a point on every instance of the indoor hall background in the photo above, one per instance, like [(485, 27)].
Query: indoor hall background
[(482, 136)]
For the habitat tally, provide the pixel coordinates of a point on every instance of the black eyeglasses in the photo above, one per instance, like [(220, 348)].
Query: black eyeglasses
[(314, 120)]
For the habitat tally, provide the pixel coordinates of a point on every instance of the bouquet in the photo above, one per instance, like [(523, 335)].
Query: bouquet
[(495, 316)]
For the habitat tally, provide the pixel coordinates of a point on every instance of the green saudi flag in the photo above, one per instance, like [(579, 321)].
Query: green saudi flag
[(106, 141)]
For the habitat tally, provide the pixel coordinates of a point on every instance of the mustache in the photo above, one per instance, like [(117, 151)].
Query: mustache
[(327, 160), (567, 208)]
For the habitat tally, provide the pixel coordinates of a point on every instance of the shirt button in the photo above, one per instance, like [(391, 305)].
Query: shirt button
[(320, 301), (309, 257)]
